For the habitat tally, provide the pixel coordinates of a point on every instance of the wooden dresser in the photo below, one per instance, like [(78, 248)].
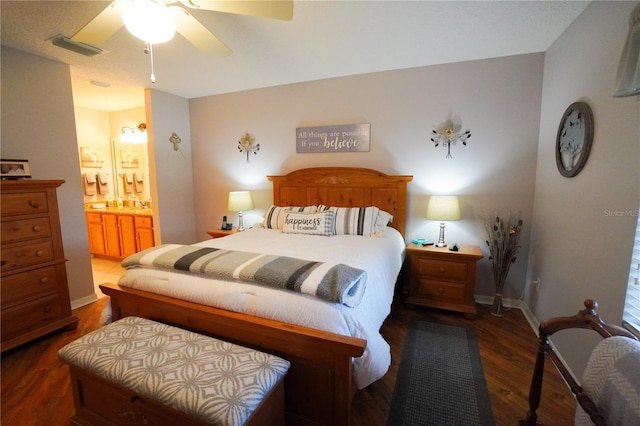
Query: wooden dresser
[(35, 294), (441, 278)]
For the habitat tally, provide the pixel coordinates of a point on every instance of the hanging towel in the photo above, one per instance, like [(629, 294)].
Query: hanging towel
[(89, 184), (127, 180), (138, 182), (103, 183)]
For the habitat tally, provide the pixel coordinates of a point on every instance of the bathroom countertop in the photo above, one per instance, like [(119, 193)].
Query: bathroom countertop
[(120, 210)]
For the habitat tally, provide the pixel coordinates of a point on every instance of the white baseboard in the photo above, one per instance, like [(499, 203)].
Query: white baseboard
[(78, 303)]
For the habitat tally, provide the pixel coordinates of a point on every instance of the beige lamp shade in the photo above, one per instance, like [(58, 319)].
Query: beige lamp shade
[(443, 208), (240, 201)]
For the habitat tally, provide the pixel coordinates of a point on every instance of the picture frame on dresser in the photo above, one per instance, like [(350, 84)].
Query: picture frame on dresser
[(14, 169)]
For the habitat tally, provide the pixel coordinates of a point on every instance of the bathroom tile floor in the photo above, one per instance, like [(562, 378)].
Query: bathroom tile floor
[(105, 271)]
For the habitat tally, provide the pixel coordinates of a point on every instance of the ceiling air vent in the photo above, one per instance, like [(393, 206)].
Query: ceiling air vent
[(74, 46)]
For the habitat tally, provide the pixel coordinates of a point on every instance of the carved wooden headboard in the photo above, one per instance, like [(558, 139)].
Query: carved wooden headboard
[(344, 187)]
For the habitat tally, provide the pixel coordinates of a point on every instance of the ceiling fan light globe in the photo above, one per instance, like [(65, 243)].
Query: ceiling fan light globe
[(149, 21)]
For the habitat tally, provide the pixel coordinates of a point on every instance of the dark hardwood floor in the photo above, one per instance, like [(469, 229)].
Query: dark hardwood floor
[(36, 388)]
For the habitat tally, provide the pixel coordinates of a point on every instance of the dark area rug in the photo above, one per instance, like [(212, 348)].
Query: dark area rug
[(440, 380)]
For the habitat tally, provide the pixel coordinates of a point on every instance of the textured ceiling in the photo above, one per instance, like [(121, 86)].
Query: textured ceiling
[(325, 39)]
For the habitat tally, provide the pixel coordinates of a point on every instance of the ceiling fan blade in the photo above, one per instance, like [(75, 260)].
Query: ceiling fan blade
[(102, 27), (198, 34), (278, 9)]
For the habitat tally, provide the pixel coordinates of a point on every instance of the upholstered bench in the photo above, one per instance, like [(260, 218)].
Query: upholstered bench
[(138, 371)]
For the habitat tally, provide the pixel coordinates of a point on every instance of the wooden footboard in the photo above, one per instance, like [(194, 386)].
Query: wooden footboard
[(319, 386)]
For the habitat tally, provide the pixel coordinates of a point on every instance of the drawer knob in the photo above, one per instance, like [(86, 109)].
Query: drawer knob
[(47, 309), (440, 290), (34, 204), (36, 228), (44, 280), (39, 253), (442, 269)]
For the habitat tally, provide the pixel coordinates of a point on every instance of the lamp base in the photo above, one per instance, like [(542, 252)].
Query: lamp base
[(240, 222), (440, 242)]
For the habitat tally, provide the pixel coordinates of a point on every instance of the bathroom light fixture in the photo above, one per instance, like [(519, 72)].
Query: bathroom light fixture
[(134, 134), (240, 201), (628, 77), (149, 20), (443, 208)]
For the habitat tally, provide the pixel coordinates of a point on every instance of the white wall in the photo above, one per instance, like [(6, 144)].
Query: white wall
[(38, 124), (578, 249), (171, 171), (497, 99)]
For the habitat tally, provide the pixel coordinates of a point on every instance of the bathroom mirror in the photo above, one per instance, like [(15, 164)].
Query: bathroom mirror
[(130, 163)]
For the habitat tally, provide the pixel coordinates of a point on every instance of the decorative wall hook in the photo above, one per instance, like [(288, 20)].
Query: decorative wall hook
[(175, 141), (449, 132), (246, 145)]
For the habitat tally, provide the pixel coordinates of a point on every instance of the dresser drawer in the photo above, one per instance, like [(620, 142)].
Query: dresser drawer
[(26, 229), (26, 255), (441, 290), (144, 221), (26, 317), (28, 285), (24, 203), (442, 269)]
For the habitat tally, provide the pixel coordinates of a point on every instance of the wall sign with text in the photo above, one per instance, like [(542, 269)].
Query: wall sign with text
[(343, 138)]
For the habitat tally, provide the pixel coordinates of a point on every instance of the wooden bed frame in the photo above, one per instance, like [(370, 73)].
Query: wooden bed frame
[(319, 386), (587, 318)]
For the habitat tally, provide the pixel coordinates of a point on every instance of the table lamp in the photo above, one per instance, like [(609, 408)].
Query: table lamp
[(240, 201), (443, 208)]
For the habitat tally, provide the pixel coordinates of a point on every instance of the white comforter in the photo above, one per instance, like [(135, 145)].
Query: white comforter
[(381, 257)]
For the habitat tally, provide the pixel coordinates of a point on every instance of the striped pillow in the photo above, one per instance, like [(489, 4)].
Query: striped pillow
[(274, 217), (354, 220), (309, 223)]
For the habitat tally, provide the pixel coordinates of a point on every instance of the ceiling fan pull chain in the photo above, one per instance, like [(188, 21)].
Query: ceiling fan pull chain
[(148, 48)]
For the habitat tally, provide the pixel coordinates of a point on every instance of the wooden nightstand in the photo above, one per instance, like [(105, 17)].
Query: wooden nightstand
[(441, 278), (217, 233)]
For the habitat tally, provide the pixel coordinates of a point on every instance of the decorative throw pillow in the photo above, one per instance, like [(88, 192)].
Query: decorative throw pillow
[(382, 221), (354, 220), (274, 217), (309, 223)]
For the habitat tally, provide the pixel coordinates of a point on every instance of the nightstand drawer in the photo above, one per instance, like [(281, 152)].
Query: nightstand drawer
[(442, 290), (442, 270)]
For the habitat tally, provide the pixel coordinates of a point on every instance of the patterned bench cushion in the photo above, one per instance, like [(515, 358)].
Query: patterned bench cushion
[(207, 378)]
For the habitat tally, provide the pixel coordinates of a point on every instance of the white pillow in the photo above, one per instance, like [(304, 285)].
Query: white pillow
[(309, 223), (354, 220), (274, 217)]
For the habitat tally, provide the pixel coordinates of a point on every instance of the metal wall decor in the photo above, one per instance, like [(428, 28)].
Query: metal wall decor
[(449, 132), (574, 139), (247, 145)]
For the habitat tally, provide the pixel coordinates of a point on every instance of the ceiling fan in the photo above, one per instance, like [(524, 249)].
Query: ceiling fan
[(169, 16)]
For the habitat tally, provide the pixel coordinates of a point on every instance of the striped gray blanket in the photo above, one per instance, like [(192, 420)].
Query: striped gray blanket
[(337, 283)]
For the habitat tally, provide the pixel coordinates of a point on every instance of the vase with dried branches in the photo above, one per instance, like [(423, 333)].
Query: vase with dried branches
[(503, 239)]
